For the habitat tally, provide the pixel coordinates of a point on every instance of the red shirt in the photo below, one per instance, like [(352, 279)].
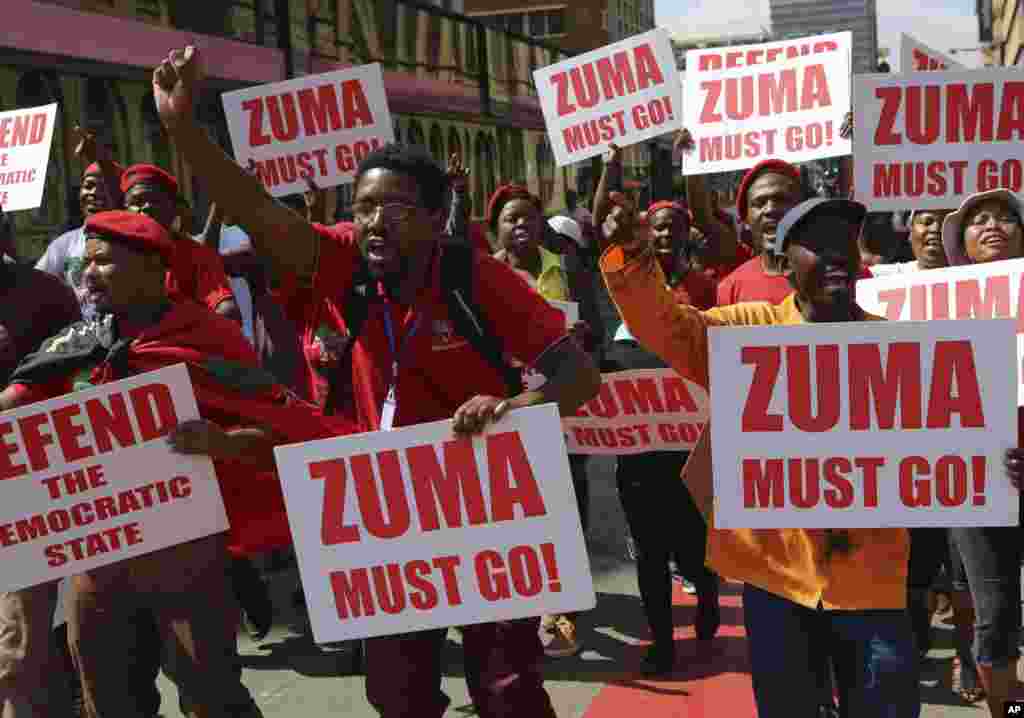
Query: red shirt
[(695, 290), (438, 370), (197, 273), (750, 283), (718, 272)]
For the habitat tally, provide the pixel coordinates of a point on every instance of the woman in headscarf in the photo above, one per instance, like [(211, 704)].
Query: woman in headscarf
[(988, 228)]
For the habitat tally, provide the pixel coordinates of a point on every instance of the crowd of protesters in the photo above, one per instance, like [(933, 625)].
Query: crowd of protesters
[(296, 328)]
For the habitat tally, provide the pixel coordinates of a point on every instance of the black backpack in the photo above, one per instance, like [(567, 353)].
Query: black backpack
[(457, 290)]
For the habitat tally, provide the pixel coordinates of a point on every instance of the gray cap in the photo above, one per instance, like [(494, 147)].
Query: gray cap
[(854, 211)]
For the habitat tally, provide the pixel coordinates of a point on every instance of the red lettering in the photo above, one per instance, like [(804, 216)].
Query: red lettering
[(839, 493), (709, 114), (333, 531), (763, 483), (68, 433), (885, 133), (798, 371), (371, 508), (257, 137), (901, 382), (767, 361), (352, 595), (355, 104), (915, 492), (113, 422), (1011, 114), (511, 478), (153, 424), (422, 594), (969, 118), (319, 109), (953, 366), (459, 480)]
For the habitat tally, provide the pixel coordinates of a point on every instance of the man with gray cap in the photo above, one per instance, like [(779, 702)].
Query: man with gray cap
[(810, 594)]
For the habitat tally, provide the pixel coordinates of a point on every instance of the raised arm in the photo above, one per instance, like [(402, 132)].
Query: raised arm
[(699, 200), (611, 181), (286, 239)]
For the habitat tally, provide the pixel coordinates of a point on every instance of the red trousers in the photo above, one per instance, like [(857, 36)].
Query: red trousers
[(403, 673)]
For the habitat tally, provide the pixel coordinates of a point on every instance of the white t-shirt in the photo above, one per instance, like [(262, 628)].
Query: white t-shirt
[(64, 259), (233, 237)]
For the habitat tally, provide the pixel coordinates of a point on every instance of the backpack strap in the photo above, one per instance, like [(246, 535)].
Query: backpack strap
[(355, 311), (457, 286)]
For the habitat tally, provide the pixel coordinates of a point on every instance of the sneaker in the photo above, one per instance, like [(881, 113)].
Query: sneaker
[(564, 643)]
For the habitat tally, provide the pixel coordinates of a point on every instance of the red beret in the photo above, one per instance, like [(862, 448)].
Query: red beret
[(148, 173), (95, 169), (132, 228), (776, 166), (505, 194), (668, 204)]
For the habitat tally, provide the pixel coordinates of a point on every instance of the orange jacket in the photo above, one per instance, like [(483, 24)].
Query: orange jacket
[(787, 562)]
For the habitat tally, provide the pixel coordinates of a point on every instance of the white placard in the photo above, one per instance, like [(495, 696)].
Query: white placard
[(929, 140), (637, 411), (622, 93), (863, 425), (317, 126), (917, 57), (412, 529), (979, 291), (25, 138), (89, 479), (777, 100)]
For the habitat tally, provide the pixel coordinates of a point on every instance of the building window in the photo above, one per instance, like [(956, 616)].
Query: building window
[(546, 23)]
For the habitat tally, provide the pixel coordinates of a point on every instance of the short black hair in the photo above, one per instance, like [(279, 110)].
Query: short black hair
[(414, 161)]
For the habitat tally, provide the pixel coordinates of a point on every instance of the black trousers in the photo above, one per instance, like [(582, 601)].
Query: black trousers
[(665, 523)]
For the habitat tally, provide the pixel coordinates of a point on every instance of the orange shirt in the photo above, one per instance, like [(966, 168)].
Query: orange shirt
[(197, 273), (790, 563)]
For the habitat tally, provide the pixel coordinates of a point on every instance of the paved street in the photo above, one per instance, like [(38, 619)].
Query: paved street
[(292, 677)]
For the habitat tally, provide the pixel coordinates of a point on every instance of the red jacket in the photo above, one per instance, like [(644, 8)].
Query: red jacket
[(231, 391)]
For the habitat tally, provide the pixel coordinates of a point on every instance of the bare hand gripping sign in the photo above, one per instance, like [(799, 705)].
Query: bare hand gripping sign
[(88, 480), (865, 425), (406, 530)]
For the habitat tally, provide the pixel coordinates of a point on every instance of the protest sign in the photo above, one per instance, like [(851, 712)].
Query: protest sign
[(928, 140), (863, 425), (414, 529), (317, 126), (978, 291), (624, 93), (783, 100), (637, 411), (917, 57), (89, 480), (25, 138)]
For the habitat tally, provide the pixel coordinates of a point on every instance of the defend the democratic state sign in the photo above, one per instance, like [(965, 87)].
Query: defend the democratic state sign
[(315, 127), (25, 138), (777, 100), (623, 93), (863, 425), (978, 291), (929, 140), (413, 529), (88, 479)]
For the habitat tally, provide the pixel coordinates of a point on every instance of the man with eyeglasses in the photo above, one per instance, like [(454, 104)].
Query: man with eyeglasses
[(408, 365)]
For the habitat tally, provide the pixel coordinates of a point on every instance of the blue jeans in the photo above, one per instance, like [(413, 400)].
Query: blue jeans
[(872, 651)]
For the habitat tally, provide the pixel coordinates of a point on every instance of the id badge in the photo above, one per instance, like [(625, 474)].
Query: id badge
[(387, 411)]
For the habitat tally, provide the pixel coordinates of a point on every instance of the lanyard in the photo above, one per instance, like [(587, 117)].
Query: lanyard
[(397, 349)]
